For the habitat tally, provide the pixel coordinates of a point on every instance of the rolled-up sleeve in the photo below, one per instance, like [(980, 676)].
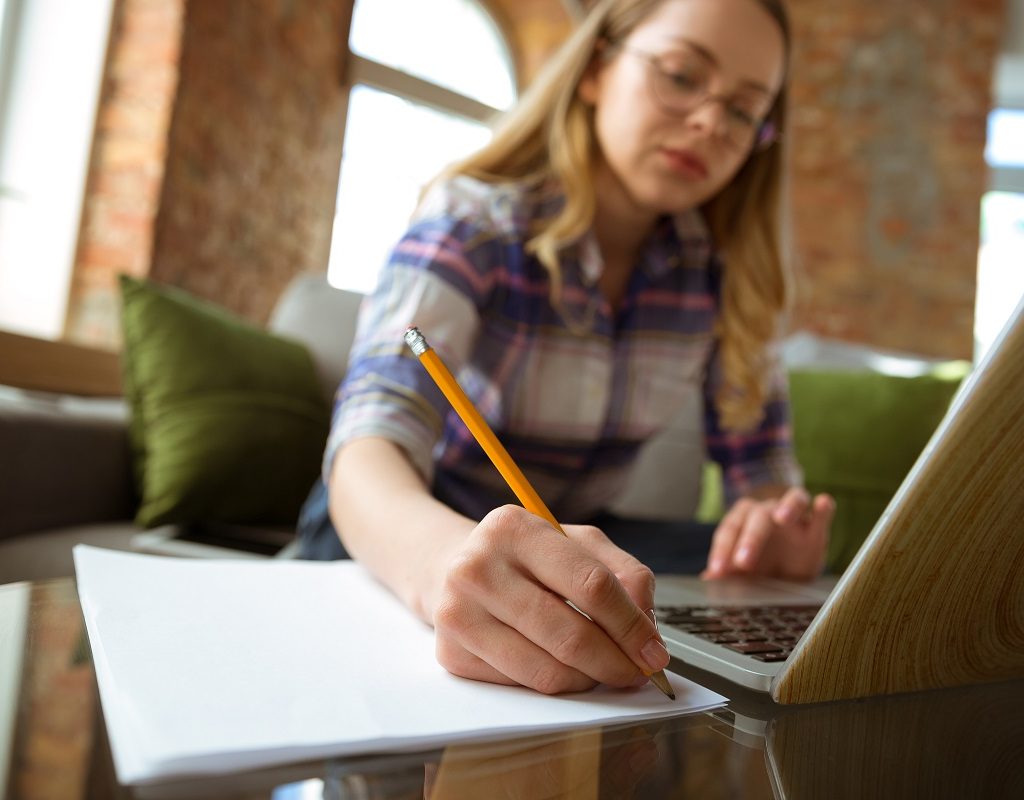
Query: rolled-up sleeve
[(761, 456), (437, 278)]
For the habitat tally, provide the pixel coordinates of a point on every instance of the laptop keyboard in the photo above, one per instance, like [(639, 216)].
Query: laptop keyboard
[(766, 633)]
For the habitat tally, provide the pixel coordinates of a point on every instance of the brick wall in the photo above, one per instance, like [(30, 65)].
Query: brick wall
[(255, 148), (127, 165), (533, 29), (216, 154), (887, 143)]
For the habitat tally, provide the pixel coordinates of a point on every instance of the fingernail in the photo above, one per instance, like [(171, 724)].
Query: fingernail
[(715, 566), (641, 679), (744, 557), (655, 654), (654, 621)]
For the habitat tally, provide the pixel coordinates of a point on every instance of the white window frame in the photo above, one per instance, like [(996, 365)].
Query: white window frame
[(366, 72), (361, 71)]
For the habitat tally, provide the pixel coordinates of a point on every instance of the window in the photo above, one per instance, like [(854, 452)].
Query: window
[(1000, 263), (417, 103), (1005, 146), (47, 111)]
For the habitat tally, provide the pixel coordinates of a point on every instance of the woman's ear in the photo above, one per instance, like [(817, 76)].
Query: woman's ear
[(589, 87)]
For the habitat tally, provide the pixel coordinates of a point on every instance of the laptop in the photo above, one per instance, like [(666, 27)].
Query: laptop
[(935, 595)]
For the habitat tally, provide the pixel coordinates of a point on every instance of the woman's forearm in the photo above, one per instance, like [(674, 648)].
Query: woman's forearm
[(388, 520)]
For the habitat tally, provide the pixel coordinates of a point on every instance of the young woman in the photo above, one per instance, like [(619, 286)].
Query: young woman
[(613, 245)]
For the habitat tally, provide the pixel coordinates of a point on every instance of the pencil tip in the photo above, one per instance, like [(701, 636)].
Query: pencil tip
[(659, 680)]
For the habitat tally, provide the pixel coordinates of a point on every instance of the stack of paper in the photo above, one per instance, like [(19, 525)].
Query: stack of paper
[(216, 666)]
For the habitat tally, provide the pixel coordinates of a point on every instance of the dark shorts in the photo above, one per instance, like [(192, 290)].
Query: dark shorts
[(665, 547)]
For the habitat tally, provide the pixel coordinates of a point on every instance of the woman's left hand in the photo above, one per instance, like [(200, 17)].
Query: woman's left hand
[(781, 537)]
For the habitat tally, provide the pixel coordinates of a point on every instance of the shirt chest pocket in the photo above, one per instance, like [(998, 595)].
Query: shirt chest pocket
[(664, 376), (563, 391)]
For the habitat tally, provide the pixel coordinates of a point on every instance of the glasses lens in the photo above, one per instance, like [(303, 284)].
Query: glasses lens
[(680, 83)]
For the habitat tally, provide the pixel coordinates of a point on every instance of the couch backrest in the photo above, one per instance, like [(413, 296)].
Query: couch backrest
[(324, 319)]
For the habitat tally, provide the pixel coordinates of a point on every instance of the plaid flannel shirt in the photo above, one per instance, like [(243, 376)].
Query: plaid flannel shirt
[(572, 391)]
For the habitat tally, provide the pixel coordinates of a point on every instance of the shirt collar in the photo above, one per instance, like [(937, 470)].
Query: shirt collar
[(678, 242), (682, 241)]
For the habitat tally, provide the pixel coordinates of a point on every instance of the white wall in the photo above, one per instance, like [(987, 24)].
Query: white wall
[(52, 64)]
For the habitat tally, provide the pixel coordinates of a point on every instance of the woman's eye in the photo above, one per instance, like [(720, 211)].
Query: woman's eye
[(685, 80), (742, 115)]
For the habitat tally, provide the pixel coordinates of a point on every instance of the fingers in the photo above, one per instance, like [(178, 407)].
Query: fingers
[(785, 537), (551, 624), (823, 510), (593, 587), (635, 576), (724, 540), (750, 544), (792, 507), (761, 524), (504, 603), (493, 652)]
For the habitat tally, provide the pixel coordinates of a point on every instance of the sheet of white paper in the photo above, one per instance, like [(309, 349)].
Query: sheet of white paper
[(215, 666)]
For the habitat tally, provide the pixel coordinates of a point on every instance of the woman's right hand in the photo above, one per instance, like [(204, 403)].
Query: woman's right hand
[(500, 614)]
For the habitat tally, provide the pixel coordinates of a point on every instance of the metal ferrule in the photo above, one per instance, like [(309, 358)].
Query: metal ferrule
[(416, 342)]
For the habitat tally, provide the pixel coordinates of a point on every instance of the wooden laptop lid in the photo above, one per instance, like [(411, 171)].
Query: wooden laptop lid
[(935, 596)]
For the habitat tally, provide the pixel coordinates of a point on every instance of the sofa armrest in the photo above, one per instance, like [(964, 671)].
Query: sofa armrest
[(42, 365), (63, 461)]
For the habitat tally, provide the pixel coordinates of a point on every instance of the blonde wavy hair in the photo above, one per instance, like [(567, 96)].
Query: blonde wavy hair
[(548, 139)]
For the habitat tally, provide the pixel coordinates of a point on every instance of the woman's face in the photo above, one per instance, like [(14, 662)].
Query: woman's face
[(662, 151)]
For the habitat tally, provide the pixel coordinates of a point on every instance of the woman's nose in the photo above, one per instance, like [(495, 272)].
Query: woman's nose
[(709, 115)]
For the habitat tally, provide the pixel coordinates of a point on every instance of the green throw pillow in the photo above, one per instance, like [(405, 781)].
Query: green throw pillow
[(228, 421), (857, 434)]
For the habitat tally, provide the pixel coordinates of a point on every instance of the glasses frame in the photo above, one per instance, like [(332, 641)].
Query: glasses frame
[(766, 133)]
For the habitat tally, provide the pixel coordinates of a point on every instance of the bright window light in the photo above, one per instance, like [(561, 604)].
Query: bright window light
[(392, 149), (1000, 266), (452, 43), (394, 146), (1005, 146)]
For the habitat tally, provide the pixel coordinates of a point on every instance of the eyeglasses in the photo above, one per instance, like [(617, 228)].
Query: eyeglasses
[(679, 82)]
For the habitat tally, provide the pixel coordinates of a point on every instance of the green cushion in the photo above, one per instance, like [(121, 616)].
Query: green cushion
[(857, 434), (711, 505), (228, 421)]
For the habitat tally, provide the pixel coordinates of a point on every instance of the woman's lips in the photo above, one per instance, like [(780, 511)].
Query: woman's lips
[(686, 163)]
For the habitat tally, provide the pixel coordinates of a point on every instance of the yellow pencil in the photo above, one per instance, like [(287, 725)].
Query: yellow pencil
[(495, 450)]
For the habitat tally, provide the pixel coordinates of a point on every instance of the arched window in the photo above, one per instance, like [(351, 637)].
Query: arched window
[(425, 79)]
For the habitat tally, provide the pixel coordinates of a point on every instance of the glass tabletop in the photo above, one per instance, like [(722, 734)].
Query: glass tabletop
[(964, 742)]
